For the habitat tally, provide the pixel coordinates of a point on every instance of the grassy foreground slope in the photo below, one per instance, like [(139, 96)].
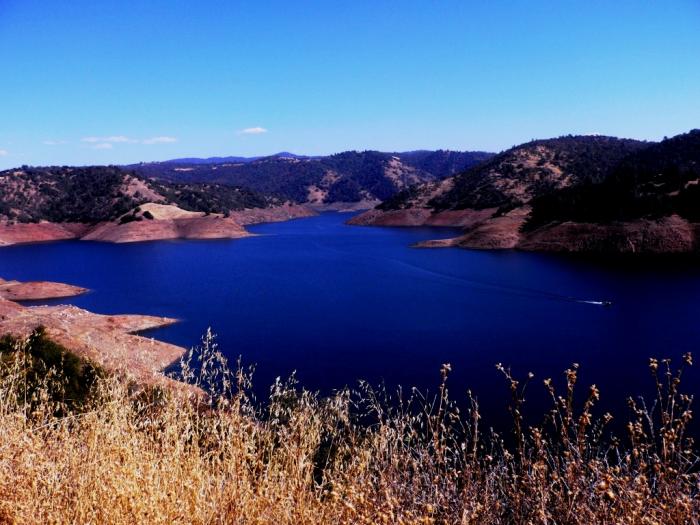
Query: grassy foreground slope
[(135, 455)]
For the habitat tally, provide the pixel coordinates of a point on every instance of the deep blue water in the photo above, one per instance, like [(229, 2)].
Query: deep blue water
[(338, 303)]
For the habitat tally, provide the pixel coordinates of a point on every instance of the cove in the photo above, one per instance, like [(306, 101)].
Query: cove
[(339, 303)]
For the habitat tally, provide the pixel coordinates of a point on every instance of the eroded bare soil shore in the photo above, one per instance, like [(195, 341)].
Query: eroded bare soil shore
[(111, 341), (151, 222), (486, 230)]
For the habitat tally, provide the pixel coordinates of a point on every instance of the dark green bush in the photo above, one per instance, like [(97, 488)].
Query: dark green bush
[(40, 355)]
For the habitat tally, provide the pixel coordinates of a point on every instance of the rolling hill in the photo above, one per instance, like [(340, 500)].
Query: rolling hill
[(363, 178), (514, 177), (111, 204), (572, 194), (102, 193), (658, 181)]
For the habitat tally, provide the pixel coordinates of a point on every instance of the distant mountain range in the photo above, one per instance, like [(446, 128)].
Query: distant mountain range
[(348, 177), (242, 160)]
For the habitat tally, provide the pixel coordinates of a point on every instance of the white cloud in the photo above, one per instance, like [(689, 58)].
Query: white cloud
[(55, 142), (3, 153), (252, 131), (112, 139), (159, 140), (119, 139), (102, 145)]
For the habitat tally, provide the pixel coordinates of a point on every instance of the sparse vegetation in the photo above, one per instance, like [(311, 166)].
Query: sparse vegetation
[(62, 194), (513, 177), (354, 175), (211, 198), (131, 217), (536, 168), (154, 456), (94, 194), (405, 198), (654, 182), (444, 163)]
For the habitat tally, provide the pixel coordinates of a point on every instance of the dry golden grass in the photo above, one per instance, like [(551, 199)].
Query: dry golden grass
[(133, 456)]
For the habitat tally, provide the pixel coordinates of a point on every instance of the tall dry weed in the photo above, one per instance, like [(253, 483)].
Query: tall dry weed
[(156, 455)]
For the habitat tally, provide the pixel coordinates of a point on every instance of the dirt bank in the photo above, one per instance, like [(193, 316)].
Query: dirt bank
[(485, 229), (152, 222), (36, 290), (109, 340)]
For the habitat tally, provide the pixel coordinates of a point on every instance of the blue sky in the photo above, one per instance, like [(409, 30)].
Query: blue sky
[(117, 82)]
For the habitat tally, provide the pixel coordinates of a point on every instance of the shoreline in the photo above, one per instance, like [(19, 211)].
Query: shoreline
[(485, 230), (170, 223), (115, 342), (38, 290)]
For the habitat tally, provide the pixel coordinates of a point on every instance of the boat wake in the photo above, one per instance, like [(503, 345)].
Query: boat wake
[(475, 284), (597, 303)]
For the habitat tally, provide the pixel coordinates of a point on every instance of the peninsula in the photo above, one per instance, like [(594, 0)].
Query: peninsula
[(111, 341), (111, 205)]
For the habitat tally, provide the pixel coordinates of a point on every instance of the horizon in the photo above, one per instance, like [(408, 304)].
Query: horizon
[(280, 153), (186, 157), (91, 84)]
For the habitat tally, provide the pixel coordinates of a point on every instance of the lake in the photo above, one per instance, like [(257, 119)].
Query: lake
[(338, 303)]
